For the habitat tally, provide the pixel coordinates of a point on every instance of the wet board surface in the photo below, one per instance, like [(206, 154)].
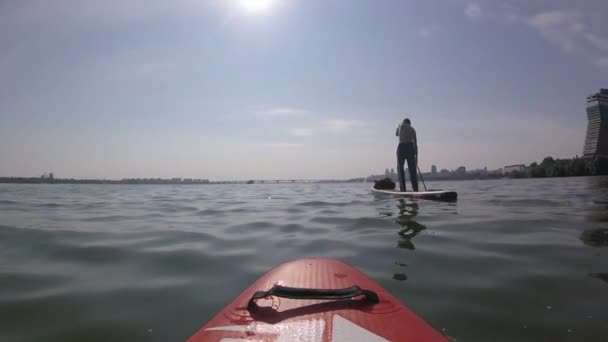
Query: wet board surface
[(276, 318), (439, 195)]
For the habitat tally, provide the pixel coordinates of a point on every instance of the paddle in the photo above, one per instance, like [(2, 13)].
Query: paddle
[(420, 172)]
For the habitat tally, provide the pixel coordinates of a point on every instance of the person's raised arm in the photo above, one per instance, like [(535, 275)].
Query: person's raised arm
[(397, 131)]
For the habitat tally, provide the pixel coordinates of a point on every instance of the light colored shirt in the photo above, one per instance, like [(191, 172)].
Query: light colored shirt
[(406, 134)]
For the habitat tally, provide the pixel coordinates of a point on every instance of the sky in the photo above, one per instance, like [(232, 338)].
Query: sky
[(292, 89)]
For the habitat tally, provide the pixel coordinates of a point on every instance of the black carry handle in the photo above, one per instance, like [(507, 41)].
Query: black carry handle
[(302, 293)]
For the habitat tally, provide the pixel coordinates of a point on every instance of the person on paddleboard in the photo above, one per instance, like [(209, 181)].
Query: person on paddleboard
[(407, 150)]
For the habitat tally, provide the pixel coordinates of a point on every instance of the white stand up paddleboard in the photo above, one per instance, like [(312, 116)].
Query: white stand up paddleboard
[(438, 195)]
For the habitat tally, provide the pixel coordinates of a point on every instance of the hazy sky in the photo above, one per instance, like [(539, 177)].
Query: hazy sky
[(234, 89)]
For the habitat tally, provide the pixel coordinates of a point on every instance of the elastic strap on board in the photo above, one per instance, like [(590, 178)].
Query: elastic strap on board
[(303, 293)]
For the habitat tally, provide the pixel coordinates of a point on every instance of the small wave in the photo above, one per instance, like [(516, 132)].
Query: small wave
[(250, 228), (209, 212), (294, 210), (108, 218), (14, 283), (329, 212), (325, 204), (88, 206), (7, 202), (179, 261), (164, 240), (290, 228), (91, 254), (315, 230), (150, 215), (526, 203), (44, 236), (177, 208), (314, 204), (49, 205), (358, 222), (230, 202)]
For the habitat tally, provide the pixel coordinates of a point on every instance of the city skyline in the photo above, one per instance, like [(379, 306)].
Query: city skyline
[(390, 173), (295, 90)]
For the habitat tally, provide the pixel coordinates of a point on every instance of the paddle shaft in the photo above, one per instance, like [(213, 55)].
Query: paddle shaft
[(420, 172)]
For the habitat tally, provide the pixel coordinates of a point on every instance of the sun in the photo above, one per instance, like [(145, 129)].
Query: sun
[(256, 6)]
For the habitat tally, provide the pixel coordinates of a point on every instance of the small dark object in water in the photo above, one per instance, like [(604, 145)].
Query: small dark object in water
[(385, 184), (400, 276), (595, 237)]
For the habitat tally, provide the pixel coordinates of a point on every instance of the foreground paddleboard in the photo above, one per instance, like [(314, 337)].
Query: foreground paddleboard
[(286, 305), (439, 195)]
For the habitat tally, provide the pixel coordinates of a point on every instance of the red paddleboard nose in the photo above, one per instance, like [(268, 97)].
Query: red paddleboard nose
[(316, 300)]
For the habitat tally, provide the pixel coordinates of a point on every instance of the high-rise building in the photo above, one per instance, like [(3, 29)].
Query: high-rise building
[(596, 140), (433, 169)]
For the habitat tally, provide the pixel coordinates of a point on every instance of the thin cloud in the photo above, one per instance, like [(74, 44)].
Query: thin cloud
[(340, 125), (602, 63), (473, 10), (569, 31), (282, 144), (562, 28), (281, 112), (597, 41), (427, 31), (329, 126), (303, 132)]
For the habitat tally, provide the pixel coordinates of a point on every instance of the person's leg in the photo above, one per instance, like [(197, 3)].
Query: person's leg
[(412, 167), (400, 163)]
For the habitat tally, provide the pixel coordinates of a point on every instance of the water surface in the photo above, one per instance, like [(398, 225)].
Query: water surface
[(154, 262)]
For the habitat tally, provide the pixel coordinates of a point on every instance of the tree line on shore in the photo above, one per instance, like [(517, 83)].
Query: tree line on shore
[(574, 167)]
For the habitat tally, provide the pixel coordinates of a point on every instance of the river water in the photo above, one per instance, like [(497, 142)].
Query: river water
[(509, 261)]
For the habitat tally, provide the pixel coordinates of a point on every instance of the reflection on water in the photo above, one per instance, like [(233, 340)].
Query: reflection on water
[(595, 237), (409, 227), (406, 217), (595, 184), (600, 276)]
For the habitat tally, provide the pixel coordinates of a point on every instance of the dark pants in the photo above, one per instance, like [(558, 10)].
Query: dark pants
[(405, 151)]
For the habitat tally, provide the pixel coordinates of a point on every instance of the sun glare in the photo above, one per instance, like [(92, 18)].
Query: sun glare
[(256, 6)]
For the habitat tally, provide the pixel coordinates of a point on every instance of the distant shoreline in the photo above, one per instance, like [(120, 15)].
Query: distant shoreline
[(155, 181), (147, 181), (37, 180)]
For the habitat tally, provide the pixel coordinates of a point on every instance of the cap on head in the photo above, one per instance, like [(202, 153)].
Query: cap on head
[(407, 121)]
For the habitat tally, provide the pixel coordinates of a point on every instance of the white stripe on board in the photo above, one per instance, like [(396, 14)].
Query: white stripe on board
[(347, 331), (305, 331), (343, 330)]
